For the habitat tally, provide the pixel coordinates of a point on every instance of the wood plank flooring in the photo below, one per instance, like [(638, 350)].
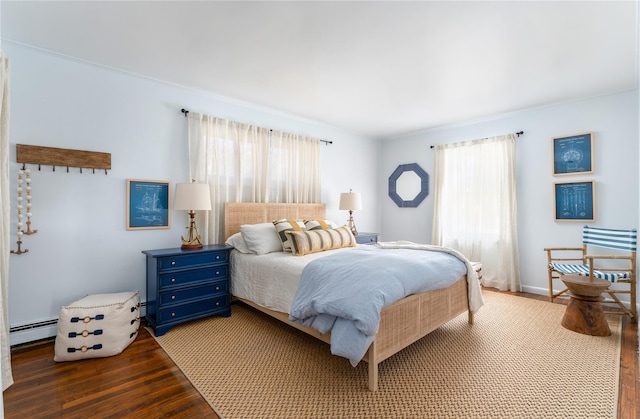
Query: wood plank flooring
[(143, 382)]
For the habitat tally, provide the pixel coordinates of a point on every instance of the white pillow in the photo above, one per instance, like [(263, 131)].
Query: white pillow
[(237, 242), (261, 238)]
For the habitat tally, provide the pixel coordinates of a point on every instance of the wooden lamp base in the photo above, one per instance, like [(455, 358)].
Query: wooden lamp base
[(194, 246)]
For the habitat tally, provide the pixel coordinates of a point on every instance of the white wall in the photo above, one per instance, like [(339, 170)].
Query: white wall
[(82, 245), (614, 121)]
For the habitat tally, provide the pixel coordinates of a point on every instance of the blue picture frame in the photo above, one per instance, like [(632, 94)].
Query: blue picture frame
[(575, 201), (572, 154), (148, 204), (423, 187)]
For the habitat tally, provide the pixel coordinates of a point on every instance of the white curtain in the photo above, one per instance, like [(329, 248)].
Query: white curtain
[(5, 354), (475, 207), (245, 163)]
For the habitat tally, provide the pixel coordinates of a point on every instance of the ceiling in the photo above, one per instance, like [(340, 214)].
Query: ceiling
[(378, 68)]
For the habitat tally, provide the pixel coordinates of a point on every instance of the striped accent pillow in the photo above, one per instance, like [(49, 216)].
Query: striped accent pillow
[(284, 225), (305, 242), (319, 224)]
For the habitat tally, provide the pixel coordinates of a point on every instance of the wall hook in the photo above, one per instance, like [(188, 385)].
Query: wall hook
[(61, 157)]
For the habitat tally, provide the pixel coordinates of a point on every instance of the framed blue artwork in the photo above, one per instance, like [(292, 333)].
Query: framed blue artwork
[(575, 201), (148, 204), (572, 154)]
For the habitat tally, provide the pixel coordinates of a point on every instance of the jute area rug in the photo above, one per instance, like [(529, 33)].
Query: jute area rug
[(515, 361)]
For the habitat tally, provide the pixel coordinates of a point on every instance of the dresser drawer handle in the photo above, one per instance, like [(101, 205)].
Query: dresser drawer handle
[(217, 288), (217, 256), (217, 303), (173, 280), (217, 272), (173, 262), (173, 297), (173, 314)]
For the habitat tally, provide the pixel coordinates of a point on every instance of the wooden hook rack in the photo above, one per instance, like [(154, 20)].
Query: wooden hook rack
[(62, 157)]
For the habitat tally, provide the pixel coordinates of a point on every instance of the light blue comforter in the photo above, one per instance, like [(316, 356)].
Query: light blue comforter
[(344, 293)]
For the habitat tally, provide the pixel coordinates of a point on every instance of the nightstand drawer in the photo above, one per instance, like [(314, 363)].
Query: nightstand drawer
[(182, 311), (182, 295), (176, 262), (192, 276), (367, 238)]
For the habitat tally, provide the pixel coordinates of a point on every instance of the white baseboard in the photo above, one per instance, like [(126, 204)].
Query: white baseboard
[(535, 290), (545, 291)]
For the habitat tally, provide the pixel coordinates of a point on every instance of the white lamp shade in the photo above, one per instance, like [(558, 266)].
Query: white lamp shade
[(192, 196), (350, 201)]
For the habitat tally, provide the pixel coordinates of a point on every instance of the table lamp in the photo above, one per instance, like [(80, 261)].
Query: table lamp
[(192, 197), (351, 201)]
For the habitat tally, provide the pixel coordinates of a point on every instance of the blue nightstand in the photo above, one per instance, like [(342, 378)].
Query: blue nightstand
[(184, 285)]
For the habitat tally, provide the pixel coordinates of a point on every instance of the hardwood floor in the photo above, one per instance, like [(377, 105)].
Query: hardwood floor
[(144, 382)]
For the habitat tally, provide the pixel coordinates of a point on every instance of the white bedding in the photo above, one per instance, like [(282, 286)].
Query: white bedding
[(270, 280)]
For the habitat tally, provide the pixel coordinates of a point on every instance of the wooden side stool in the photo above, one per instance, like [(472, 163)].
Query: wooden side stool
[(584, 313)]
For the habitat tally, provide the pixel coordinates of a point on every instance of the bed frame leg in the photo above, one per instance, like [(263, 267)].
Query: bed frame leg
[(373, 375), (470, 317), (372, 360)]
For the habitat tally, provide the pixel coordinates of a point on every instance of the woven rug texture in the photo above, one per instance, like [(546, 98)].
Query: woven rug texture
[(515, 361)]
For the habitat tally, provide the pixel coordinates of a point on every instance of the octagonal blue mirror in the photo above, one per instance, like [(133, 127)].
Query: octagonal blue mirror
[(408, 185)]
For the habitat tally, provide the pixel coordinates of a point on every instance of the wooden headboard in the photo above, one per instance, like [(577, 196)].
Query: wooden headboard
[(238, 213)]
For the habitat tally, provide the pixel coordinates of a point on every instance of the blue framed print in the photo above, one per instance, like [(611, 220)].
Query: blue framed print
[(572, 154), (575, 201), (148, 204)]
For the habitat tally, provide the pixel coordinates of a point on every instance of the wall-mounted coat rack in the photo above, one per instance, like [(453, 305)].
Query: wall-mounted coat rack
[(63, 157)]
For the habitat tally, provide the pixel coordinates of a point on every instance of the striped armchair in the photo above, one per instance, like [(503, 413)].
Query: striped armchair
[(617, 267)]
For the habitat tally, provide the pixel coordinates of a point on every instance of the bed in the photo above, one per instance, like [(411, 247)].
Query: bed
[(401, 323)]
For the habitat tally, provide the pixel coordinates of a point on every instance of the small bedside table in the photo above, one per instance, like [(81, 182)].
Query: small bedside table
[(184, 285), (367, 238)]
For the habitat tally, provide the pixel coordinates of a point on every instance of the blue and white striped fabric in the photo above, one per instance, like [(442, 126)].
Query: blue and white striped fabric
[(602, 237), (609, 238), (584, 270)]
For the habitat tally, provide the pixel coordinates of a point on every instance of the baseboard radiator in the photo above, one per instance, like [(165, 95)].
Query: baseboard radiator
[(46, 329)]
